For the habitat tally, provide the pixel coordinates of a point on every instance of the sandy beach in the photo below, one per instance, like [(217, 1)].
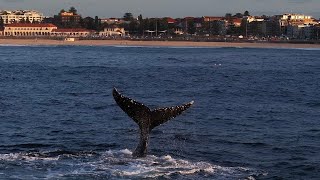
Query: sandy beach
[(153, 43)]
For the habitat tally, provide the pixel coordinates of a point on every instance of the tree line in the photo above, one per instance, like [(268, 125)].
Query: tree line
[(141, 26)]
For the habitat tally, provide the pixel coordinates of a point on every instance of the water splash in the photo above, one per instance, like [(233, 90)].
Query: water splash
[(113, 164)]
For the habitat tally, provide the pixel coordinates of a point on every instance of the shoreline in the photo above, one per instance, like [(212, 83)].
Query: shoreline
[(49, 42)]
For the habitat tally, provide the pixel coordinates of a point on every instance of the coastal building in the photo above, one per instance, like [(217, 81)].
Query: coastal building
[(111, 21), (198, 22), (214, 27), (300, 31), (270, 28), (18, 16), (294, 20), (190, 24), (67, 19), (71, 32), (222, 27), (255, 28), (236, 22), (262, 26), (170, 20), (295, 17), (233, 24), (24, 29), (254, 19), (113, 31), (178, 32), (212, 18)]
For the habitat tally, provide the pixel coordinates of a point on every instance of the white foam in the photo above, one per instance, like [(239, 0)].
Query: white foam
[(12, 45), (167, 157), (126, 152), (25, 157), (166, 46), (308, 49), (121, 164)]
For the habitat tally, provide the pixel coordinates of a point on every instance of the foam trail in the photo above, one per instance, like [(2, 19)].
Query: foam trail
[(114, 164)]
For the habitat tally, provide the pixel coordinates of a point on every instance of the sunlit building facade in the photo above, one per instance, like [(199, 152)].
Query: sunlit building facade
[(17, 16), (23, 29)]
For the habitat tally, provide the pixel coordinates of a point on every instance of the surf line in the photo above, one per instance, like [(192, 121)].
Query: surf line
[(146, 118)]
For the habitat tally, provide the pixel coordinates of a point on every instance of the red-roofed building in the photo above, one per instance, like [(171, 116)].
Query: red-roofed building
[(27, 29), (170, 20), (211, 18), (75, 32), (237, 22)]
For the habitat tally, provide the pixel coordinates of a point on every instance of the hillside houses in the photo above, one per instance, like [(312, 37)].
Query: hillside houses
[(69, 23)]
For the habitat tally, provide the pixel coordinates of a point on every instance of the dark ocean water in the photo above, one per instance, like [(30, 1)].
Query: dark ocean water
[(256, 113)]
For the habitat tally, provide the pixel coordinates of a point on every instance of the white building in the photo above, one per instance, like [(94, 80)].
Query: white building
[(72, 33), (111, 21), (253, 18), (113, 31), (295, 17), (24, 29), (17, 16), (178, 31)]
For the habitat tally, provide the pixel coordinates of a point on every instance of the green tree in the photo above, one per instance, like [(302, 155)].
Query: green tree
[(62, 11), (140, 19), (246, 13), (190, 26), (140, 25), (228, 16), (73, 10), (133, 27), (163, 24), (239, 15), (128, 17), (97, 23), (88, 23)]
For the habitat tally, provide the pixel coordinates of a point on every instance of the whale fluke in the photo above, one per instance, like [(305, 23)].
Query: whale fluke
[(145, 118)]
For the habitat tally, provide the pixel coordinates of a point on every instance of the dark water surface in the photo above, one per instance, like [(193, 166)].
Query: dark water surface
[(256, 113)]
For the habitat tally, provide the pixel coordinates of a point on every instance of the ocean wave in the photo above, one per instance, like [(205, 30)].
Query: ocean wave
[(25, 157), (308, 49), (35, 45), (121, 163), (13, 45), (116, 164), (168, 46)]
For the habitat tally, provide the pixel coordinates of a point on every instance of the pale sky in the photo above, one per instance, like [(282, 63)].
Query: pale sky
[(163, 8)]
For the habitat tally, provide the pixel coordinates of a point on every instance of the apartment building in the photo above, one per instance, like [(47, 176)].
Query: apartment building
[(17, 16), (295, 17)]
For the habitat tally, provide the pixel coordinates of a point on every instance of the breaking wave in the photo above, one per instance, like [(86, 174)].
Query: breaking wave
[(113, 164)]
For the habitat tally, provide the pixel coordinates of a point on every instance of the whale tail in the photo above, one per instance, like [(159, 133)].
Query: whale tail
[(146, 119)]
